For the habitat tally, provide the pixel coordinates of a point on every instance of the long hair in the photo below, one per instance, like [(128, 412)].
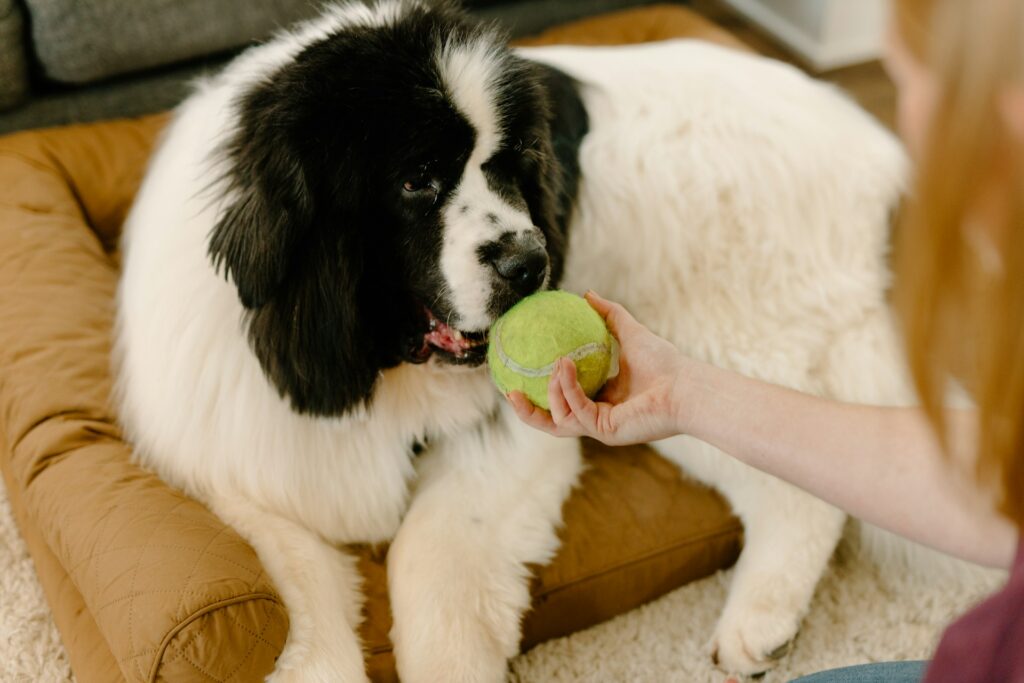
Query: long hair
[(960, 252)]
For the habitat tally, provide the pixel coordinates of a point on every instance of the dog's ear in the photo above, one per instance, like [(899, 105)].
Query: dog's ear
[(290, 239), (314, 339), (270, 202)]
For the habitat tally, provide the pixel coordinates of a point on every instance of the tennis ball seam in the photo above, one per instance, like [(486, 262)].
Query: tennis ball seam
[(575, 355)]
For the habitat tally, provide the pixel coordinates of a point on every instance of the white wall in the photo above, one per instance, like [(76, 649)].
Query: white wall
[(826, 33)]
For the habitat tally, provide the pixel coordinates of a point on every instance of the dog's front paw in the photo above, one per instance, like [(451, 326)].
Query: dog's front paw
[(470, 665), (467, 637), (317, 669), (749, 641), (456, 621)]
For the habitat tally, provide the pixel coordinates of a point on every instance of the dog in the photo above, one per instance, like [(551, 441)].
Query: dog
[(329, 227)]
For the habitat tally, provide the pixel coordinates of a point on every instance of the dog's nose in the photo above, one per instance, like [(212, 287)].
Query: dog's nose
[(522, 262)]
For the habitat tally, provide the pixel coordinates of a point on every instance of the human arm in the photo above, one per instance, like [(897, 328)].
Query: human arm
[(883, 465)]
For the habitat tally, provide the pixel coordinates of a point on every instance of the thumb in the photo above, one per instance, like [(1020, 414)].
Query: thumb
[(615, 316)]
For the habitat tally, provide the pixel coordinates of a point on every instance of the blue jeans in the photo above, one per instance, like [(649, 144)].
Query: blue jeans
[(882, 672)]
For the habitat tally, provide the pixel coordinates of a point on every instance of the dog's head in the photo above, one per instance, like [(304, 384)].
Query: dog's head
[(392, 190)]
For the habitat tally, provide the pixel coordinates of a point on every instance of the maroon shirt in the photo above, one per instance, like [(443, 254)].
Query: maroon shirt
[(986, 644)]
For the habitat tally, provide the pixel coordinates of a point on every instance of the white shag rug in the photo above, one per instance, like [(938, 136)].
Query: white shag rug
[(859, 614), (30, 647)]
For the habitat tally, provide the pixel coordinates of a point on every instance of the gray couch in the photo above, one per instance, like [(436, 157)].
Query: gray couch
[(64, 61)]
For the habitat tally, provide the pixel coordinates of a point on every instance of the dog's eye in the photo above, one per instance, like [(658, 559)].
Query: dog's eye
[(422, 185)]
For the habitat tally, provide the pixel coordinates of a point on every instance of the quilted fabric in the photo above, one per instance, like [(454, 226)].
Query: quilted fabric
[(146, 584), (151, 566)]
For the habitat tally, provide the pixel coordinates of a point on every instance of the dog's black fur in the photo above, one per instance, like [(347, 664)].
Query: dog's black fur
[(339, 170)]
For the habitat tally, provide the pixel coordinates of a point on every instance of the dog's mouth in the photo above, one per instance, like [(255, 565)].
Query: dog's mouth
[(452, 345)]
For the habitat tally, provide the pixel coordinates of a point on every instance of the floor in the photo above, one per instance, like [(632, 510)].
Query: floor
[(868, 83)]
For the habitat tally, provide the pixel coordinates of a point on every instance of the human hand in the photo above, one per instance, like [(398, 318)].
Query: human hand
[(636, 406)]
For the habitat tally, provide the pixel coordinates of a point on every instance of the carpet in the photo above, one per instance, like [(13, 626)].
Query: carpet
[(30, 647), (861, 613)]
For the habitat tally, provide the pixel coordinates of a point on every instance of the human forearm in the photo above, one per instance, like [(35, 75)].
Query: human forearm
[(883, 465)]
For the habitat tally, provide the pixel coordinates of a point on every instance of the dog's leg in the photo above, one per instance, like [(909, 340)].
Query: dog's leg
[(486, 505), (789, 537), (320, 588)]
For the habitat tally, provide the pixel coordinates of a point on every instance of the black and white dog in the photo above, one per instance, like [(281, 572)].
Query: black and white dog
[(331, 224)]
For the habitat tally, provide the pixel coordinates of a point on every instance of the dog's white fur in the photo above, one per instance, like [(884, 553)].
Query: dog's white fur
[(470, 74), (734, 205), (746, 221)]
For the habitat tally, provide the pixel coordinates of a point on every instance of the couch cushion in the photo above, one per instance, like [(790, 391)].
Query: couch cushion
[(13, 63), (158, 89), (80, 41), (146, 582), (83, 41)]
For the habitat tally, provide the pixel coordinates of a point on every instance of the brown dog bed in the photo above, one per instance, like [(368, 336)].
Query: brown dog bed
[(146, 584)]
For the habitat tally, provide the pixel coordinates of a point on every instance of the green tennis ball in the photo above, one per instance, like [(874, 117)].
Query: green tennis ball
[(526, 342)]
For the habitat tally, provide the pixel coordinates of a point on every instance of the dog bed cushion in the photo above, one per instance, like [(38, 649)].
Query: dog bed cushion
[(146, 584)]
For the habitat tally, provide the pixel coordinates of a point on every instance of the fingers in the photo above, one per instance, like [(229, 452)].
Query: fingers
[(598, 303), (579, 405), (571, 413), (526, 411), (560, 421), (556, 399), (538, 418)]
